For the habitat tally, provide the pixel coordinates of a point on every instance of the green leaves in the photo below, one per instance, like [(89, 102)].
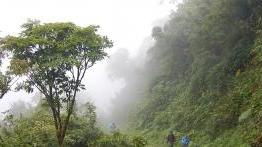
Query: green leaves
[(117, 139), (210, 50), (19, 67), (54, 58), (5, 82), (50, 51)]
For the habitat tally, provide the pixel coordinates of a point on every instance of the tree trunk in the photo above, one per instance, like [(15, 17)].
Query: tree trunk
[(60, 137), (61, 130), (61, 141)]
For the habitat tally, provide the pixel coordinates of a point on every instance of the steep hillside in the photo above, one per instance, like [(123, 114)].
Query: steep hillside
[(207, 62)]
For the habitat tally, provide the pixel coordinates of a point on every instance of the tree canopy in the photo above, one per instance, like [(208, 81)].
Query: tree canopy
[(54, 58)]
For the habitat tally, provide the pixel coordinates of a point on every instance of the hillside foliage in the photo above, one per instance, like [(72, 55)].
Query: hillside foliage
[(207, 62)]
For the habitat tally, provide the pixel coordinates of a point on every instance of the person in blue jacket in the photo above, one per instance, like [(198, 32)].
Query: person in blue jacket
[(185, 141), (112, 128)]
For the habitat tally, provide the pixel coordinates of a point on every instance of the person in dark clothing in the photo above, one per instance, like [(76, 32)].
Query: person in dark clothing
[(171, 139)]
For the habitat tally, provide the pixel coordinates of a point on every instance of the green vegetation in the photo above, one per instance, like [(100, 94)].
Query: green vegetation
[(207, 80), (202, 77), (37, 129), (54, 58)]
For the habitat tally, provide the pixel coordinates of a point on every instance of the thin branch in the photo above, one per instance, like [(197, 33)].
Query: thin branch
[(5, 90), (14, 82), (86, 67), (72, 72)]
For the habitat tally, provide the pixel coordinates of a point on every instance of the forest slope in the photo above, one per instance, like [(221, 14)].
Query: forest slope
[(207, 67)]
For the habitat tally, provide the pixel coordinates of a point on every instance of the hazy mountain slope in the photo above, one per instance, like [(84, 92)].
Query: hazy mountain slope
[(207, 59)]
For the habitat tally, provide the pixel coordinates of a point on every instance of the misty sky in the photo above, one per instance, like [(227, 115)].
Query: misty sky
[(126, 22)]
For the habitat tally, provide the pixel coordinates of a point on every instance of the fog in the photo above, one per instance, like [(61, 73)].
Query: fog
[(127, 23)]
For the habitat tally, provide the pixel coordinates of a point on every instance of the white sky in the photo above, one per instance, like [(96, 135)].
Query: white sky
[(126, 22)]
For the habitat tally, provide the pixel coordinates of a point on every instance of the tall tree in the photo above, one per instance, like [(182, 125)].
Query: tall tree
[(54, 58)]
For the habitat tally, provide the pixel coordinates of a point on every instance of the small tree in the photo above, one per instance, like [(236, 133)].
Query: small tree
[(54, 58)]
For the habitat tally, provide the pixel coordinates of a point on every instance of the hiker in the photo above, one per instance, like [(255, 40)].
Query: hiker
[(112, 128), (185, 141), (171, 139)]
